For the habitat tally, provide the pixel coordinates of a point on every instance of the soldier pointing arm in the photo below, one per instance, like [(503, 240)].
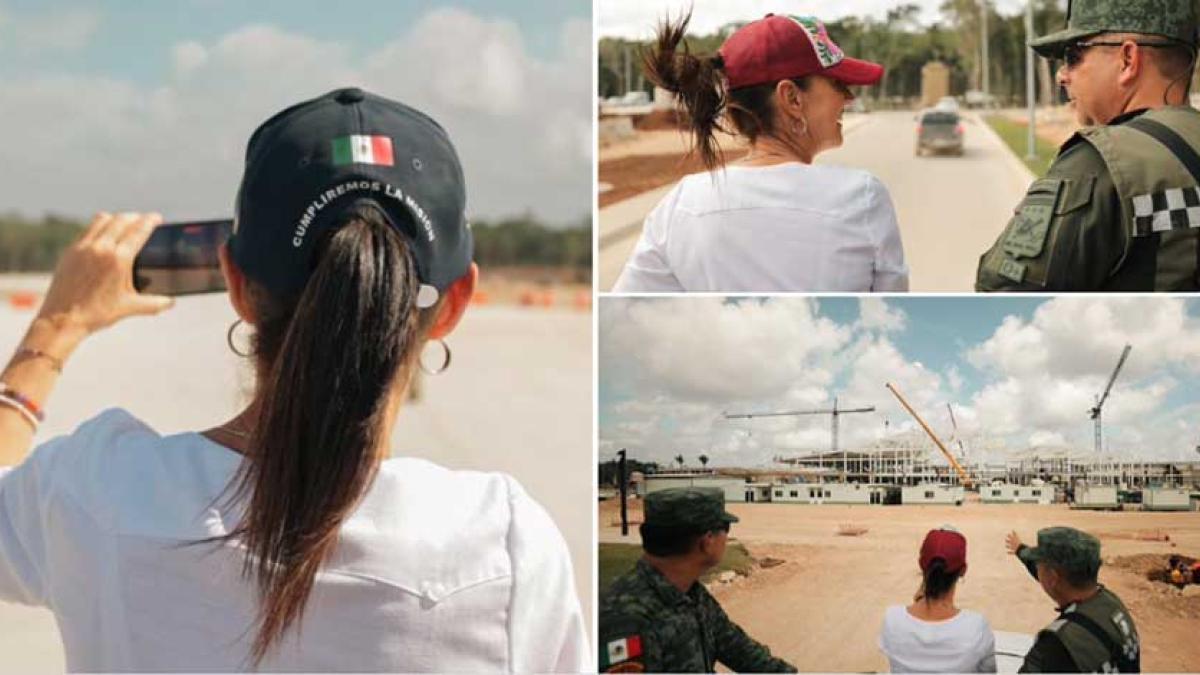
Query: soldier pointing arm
[(1119, 209), (1094, 631)]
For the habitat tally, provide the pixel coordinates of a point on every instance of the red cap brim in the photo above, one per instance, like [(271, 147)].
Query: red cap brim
[(855, 72)]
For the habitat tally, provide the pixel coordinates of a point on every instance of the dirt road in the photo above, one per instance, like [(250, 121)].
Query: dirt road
[(950, 209), (822, 608)]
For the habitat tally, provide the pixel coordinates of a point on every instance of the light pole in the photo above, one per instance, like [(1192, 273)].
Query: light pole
[(983, 41), (1031, 152)]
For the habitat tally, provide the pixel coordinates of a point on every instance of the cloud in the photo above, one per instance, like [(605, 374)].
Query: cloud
[(65, 30), (670, 368), (636, 18), (875, 314), (521, 124)]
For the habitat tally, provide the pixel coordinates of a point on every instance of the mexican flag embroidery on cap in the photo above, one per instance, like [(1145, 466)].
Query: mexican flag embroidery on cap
[(623, 650), (375, 150)]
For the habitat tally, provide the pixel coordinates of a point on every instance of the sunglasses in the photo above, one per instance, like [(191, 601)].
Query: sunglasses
[(1073, 53)]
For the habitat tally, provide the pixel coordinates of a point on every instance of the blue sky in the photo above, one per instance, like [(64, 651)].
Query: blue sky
[(1019, 371), (142, 105), (146, 59)]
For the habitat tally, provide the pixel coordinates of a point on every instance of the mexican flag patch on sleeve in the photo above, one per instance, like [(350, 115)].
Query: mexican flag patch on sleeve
[(619, 651)]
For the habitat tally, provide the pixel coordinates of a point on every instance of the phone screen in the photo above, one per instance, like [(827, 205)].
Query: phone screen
[(181, 259)]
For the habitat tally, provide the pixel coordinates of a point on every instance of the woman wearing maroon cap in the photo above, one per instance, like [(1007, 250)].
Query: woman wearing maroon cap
[(773, 221), (931, 635)]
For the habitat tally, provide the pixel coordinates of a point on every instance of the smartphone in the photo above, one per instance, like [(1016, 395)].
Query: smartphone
[(181, 259)]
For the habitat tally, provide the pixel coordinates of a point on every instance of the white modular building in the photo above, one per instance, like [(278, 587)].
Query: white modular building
[(932, 493), (1091, 496), (734, 488), (1004, 493), (827, 493), (1166, 499)]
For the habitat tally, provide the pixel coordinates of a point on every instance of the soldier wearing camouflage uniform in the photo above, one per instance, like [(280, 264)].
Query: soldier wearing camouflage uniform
[(1094, 631), (1119, 209), (658, 617)]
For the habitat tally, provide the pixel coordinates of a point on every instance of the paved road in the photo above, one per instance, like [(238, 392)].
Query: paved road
[(950, 208)]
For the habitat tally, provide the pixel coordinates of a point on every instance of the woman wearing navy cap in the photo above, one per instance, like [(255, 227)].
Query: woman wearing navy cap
[(932, 635), (284, 539), (773, 221)]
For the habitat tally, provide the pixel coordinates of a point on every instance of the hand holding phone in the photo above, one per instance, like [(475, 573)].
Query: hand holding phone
[(182, 259)]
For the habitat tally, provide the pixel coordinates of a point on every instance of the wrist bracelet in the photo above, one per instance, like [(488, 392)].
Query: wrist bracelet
[(26, 402), (16, 405), (28, 352)]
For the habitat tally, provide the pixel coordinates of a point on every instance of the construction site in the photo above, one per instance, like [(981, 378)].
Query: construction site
[(834, 568)]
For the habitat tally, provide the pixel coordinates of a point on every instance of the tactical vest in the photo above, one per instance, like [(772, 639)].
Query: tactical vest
[(1160, 198), (1099, 635)]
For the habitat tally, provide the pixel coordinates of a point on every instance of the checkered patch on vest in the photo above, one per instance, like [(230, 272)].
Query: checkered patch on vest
[(1173, 209)]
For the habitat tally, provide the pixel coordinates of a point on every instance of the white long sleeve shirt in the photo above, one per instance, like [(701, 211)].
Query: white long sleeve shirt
[(436, 570), (787, 227)]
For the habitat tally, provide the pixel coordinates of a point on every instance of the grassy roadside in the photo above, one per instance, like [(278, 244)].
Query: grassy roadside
[(1015, 137), (616, 559)]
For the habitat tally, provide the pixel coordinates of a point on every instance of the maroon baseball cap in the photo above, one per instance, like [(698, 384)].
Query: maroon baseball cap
[(780, 47), (947, 544)]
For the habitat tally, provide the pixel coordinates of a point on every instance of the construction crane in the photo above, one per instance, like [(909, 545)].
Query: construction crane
[(835, 412), (962, 452), (962, 473), (1096, 411)]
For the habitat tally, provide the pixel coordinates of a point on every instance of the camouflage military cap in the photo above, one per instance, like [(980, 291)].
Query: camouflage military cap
[(690, 508), (1075, 551), (1174, 19)]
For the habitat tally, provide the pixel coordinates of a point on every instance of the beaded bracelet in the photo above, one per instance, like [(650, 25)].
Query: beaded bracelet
[(19, 407), (24, 400)]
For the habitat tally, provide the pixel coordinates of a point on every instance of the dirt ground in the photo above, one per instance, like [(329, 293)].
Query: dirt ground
[(1054, 125), (822, 608)]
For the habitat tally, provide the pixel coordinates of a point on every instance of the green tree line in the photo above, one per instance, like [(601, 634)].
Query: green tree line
[(35, 245), (903, 45), (606, 472)]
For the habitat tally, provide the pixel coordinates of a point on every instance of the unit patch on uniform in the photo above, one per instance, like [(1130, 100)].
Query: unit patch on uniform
[(1026, 235), (619, 655), (1173, 209)]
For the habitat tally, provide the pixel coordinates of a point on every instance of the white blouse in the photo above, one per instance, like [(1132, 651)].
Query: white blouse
[(787, 227), (963, 643), (437, 570)]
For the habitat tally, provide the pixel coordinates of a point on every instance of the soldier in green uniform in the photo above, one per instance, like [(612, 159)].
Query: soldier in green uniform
[(1093, 632), (1119, 209), (659, 617)]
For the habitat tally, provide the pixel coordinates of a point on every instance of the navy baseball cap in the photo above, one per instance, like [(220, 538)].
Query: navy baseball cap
[(310, 162)]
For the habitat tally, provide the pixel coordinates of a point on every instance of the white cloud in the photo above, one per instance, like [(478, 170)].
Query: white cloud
[(522, 125), (636, 18), (187, 57), (675, 365), (68, 29), (875, 314)]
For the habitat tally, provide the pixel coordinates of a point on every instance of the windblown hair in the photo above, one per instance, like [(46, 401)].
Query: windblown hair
[(937, 581), (327, 363), (702, 91)]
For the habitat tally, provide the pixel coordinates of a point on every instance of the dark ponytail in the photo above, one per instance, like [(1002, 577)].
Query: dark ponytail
[(327, 364), (697, 83), (937, 581), (702, 93)]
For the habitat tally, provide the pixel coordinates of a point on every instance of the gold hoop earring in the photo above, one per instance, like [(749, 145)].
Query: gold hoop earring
[(445, 360), (804, 131), (229, 340)]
